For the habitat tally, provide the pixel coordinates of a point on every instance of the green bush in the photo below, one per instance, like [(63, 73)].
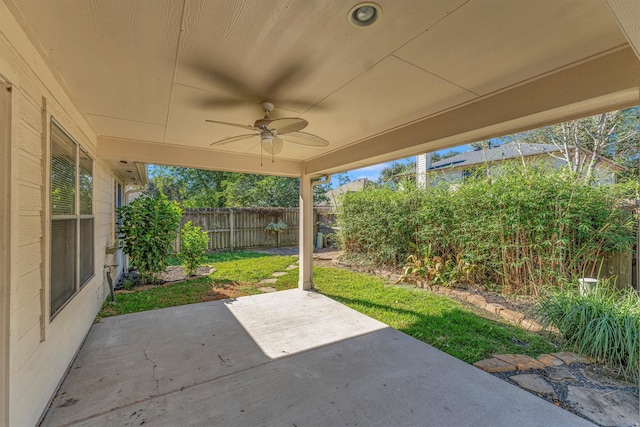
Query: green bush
[(149, 226), (378, 225), (523, 230), (194, 243), (603, 323)]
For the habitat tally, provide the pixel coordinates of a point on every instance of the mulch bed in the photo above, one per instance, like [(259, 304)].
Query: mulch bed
[(172, 274)]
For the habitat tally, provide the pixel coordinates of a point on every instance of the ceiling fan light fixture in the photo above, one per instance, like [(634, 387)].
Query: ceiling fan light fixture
[(272, 146), (266, 137), (364, 14)]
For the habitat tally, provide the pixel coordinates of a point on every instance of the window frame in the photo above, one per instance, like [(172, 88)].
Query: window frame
[(81, 251)]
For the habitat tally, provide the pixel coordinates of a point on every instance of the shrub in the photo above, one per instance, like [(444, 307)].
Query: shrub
[(379, 225), (434, 270), (194, 243), (523, 230), (603, 323), (149, 226)]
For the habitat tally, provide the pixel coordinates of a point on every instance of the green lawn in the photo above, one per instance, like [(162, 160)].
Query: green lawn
[(237, 274), (434, 319)]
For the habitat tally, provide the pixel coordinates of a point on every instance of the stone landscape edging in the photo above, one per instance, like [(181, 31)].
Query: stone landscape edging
[(511, 316)]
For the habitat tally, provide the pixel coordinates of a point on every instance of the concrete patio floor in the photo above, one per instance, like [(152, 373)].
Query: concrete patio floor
[(290, 358)]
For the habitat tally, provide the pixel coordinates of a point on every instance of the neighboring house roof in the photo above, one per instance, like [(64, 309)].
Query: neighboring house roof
[(355, 185), (511, 150), (502, 152)]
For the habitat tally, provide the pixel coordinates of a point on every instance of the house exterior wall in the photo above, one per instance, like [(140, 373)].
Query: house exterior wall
[(446, 176), (40, 349), (602, 175)]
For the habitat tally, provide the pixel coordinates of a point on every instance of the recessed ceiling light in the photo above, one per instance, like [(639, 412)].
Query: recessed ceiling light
[(364, 14)]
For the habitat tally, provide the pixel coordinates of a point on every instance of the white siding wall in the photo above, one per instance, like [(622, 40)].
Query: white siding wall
[(602, 174), (40, 349)]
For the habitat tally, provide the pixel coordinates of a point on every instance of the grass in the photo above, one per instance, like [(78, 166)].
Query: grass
[(237, 274), (434, 319)]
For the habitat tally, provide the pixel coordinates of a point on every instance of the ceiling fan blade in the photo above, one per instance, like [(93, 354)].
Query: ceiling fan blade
[(233, 139), (288, 125), (272, 147), (238, 125), (303, 138)]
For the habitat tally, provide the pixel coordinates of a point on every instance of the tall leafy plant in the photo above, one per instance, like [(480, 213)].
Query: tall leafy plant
[(194, 243), (524, 229), (149, 226), (603, 323)]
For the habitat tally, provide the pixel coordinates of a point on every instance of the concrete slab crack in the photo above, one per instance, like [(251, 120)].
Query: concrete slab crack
[(146, 357)]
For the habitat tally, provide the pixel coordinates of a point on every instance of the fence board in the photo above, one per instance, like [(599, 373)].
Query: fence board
[(239, 228), (619, 265)]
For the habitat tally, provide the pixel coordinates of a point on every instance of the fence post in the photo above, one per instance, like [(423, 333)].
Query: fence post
[(231, 230)]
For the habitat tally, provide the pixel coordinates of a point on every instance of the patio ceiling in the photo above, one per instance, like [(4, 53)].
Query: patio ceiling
[(426, 75)]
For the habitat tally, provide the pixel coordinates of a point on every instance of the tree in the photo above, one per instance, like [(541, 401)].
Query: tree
[(197, 188), (397, 172), (340, 179), (483, 145), (192, 188), (247, 190), (584, 142)]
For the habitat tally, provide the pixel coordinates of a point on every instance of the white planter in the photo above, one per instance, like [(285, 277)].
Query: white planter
[(586, 285)]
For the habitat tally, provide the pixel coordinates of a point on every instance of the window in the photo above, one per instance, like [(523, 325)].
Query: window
[(72, 252)]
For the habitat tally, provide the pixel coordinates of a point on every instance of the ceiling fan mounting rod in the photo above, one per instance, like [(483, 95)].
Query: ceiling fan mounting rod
[(267, 107)]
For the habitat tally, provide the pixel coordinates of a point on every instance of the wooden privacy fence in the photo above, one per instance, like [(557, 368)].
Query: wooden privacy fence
[(240, 228), (621, 265)]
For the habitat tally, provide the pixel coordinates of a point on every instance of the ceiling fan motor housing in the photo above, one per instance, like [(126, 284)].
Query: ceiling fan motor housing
[(262, 123)]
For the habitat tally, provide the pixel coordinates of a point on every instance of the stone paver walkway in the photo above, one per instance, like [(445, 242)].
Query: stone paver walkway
[(570, 381), (279, 273)]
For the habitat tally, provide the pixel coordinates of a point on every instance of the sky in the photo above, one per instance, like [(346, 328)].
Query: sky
[(372, 173)]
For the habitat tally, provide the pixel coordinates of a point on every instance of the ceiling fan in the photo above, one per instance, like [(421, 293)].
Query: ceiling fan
[(274, 132)]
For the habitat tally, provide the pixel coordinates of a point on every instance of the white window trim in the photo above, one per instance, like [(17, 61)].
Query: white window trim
[(78, 286)]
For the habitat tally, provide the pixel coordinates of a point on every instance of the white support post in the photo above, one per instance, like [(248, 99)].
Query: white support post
[(305, 237)]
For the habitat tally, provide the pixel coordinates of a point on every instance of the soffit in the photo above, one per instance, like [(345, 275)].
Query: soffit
[(154, 71), (130, 172)]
